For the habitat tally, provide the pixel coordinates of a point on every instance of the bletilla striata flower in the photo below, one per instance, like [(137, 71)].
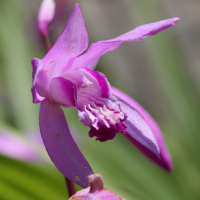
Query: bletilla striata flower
[(66, 78)]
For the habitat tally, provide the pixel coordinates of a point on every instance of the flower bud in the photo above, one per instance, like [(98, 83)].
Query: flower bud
[(45, 15), (96, 191)]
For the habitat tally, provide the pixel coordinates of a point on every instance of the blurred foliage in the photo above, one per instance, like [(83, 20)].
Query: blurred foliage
[(173, 101)]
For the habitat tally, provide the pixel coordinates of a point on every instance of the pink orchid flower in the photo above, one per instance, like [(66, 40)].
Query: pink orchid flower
[(96, 191), (66, 78)]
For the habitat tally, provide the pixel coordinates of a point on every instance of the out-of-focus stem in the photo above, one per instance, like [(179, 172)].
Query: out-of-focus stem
[(46, 41), (70, 186)]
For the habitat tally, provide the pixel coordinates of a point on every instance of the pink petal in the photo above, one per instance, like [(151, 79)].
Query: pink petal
[(107, 195), (96, 50), (100, 85), (17, 147), (63, 91), (40, 81), (71, 43), (45, 15), (82, 192), (143, 31), (138, 129), (93, 54), (90, 197), (77, 78), (165, 159), (60, 145)]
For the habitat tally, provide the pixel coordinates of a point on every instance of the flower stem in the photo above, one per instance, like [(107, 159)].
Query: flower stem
[(46, 41), (70, 185)]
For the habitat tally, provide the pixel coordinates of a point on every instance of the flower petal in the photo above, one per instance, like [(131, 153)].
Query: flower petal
[(63, 91), (108, 195), (96, 50), (60, 145), (137, 127), (77, 78), (93, 54), (143, 31), (82, 193), (90, 197), (71, 43), (40, 81), (165, 159), (100, 85), (17, 147)]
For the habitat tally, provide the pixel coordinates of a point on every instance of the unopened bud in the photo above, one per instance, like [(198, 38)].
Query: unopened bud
[(96, 191), (45, 15)]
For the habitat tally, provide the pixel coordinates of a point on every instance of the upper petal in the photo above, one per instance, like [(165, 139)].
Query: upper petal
[(165, 159), (93, 54), (96, 50), (143, 31), (60, 145), (71, 43)]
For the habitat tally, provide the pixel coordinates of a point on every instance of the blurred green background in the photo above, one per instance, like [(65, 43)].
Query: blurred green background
[(160, 72)]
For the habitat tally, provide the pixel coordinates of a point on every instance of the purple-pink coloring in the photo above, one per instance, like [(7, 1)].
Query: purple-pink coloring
[(66, 77)]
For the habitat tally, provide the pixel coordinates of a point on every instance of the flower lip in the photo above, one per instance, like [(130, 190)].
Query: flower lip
[(98, 109)]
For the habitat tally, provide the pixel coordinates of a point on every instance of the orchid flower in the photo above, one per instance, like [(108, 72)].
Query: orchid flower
[(96, 191), (66, 77)]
